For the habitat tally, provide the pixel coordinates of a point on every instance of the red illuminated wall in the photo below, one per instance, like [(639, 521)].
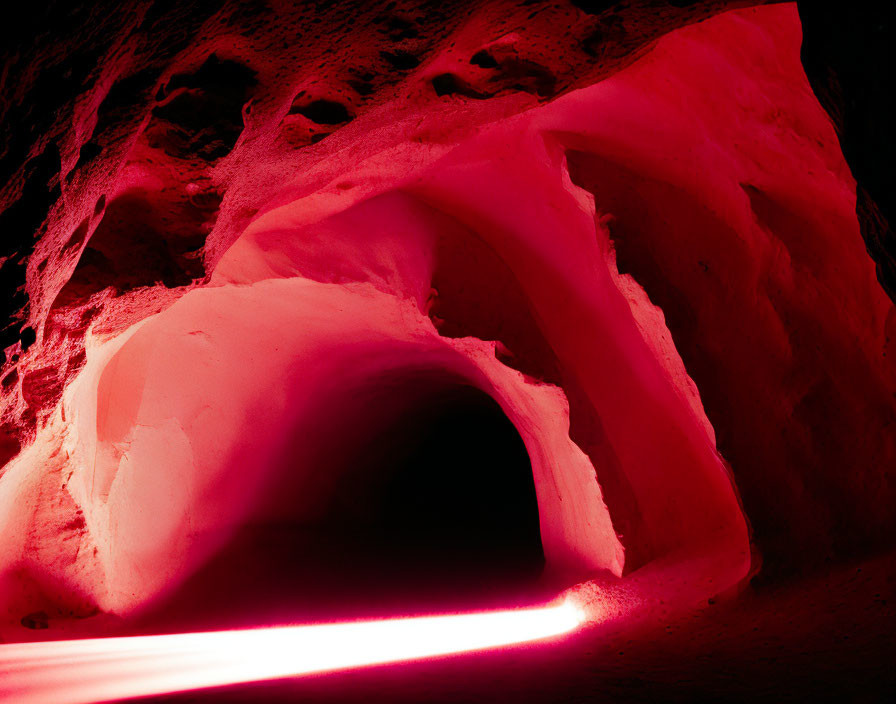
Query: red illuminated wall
[(645, 252)]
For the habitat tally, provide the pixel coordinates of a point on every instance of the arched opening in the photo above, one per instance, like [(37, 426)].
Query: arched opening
[(413, 493), (441, 498)]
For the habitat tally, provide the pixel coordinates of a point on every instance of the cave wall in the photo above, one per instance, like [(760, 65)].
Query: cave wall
[(641, 242)]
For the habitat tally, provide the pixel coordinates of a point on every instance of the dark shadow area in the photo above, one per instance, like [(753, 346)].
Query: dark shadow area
[(422, 500), (201, 113), (145, 238), (840, 42), (20, 225)]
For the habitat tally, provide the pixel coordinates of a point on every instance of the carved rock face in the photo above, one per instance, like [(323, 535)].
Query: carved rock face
[(656, 279)]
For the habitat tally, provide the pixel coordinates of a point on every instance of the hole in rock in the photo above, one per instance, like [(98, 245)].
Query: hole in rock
[(419, 497), (9, 443), (202, 113), (323, 112), (483, 59), (449, 84), (145, 237), (400, 60)]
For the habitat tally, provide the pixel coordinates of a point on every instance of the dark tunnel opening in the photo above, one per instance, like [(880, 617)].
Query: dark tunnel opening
[(452, 491), (430, 508)]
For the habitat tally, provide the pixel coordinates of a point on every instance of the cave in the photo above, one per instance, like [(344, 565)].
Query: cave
[(423, 500), (441, 494), (472, 351)]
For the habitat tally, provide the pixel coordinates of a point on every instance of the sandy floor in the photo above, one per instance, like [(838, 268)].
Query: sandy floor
[(818, 639)]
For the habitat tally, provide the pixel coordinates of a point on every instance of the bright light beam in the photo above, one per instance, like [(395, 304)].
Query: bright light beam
[(106, 669)]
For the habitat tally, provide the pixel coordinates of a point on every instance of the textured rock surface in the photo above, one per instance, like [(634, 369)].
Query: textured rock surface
[(235, 232)]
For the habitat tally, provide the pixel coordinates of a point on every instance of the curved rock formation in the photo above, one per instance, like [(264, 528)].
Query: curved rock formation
[(268, 241)]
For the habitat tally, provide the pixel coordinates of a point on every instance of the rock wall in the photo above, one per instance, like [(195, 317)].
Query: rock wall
[(638, 237)]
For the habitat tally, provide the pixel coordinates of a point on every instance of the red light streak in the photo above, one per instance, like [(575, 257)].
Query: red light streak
[(106, 669)]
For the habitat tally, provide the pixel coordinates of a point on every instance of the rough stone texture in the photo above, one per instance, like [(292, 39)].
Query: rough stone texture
[(114, 114), (633, 229)]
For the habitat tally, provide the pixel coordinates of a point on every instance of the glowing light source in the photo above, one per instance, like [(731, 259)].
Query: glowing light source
[(104, 669)]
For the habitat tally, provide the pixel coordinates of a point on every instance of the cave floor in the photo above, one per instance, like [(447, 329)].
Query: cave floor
[(827, 637)]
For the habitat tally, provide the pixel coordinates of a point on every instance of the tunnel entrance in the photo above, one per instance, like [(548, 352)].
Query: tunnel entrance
[(444, 497), (421, 499)]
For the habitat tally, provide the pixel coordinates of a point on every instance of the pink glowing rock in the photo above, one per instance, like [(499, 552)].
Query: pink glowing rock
[(658, 277)]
